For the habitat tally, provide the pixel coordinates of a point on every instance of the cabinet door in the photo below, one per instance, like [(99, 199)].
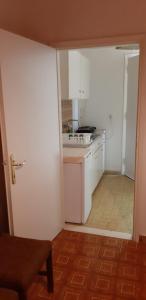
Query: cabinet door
[(87, 203), (98, 166), (84, 66), (74, 74), (100, 161), (95, 162), (73, 192)]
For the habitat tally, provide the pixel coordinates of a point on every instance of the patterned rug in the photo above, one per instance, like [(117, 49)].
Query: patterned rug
[(90, 267)]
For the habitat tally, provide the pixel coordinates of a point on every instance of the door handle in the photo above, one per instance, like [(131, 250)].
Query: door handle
[(14, 164)]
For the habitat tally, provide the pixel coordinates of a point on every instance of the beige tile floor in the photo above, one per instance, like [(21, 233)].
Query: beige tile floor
[(112, 204)]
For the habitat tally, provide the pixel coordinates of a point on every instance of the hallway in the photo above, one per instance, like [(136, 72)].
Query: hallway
[(112, 207)]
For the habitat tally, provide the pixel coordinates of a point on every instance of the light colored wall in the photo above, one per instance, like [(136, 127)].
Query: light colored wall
[(29, 82), (104, 108)]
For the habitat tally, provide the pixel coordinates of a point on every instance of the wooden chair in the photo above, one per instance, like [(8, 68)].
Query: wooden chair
[(8, 294), (20, 260)]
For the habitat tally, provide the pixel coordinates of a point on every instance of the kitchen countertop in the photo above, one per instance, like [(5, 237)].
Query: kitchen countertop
[(77, 155)]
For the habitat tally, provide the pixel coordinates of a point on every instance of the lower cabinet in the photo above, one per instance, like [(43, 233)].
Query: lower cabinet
[(73, 192), (80, 181), (77, 191), (87, 191), (98, 158)]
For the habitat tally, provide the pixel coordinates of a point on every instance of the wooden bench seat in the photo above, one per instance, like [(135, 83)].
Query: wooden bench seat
[(20, 260)]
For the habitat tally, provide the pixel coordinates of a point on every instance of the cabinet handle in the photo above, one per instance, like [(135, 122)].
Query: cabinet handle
[(88, 155), (95, 151), (100, 148)]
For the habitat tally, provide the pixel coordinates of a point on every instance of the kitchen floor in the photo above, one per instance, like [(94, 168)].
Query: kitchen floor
[(112, 206)]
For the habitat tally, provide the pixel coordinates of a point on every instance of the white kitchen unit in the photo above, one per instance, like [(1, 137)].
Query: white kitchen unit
[(84, 77), (77, 189), (98, 159), (76, 139), (87, 192), (74, 75), (73, 187), (83, 169)]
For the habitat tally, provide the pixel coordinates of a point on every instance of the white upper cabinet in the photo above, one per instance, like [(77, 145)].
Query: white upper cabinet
[(74, 75), (84, 77)]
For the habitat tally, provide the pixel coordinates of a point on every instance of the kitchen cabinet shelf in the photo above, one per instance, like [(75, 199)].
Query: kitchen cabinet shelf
[(74, 75)]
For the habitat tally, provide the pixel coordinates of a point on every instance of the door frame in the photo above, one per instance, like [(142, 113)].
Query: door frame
[(5, 161), (140, 172), (4, 222), (140, 189), (126, 57)]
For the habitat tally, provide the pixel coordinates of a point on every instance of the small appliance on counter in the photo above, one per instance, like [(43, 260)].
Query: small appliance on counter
[(86, 129), (77, 139), (83, 137)]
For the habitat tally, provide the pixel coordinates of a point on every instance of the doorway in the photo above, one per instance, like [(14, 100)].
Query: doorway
[(4, 224), (120, 186), (4, 219)]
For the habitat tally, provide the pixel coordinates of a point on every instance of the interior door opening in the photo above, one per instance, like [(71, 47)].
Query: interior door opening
[(99, 92)]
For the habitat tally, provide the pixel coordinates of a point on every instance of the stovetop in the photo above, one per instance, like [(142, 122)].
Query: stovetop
[(86, 129)]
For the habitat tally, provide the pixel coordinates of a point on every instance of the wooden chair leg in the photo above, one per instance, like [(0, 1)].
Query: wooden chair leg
[(49, 274), (22, 295)]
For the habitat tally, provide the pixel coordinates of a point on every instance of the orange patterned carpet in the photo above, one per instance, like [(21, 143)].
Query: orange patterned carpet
[(90, 267)]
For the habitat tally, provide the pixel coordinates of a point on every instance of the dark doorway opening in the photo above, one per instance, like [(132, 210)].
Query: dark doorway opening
[(4, 224)]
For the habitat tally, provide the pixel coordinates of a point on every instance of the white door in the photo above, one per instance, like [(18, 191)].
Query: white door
[(131, 115), (29, 80)]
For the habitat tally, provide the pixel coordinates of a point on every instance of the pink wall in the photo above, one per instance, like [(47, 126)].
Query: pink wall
[(53, 21), (140, 204)]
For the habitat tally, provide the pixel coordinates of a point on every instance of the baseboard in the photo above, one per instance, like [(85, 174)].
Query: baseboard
[(110, 172), (102, 232)]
